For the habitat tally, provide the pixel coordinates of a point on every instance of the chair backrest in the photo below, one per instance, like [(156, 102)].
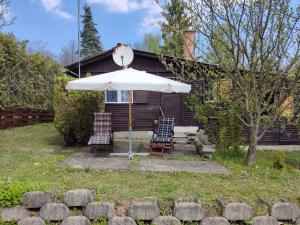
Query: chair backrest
[(165, 126), (102, 123)]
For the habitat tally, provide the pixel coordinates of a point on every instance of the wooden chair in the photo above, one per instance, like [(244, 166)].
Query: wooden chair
[(162, 138), (102, 133)]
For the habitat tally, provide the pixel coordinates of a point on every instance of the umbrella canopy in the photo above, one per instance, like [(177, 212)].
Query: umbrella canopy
[(129, 79)]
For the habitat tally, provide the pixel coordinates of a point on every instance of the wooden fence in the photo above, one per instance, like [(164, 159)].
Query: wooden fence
[(17, 117)]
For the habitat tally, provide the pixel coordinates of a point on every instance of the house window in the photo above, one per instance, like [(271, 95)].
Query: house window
[(209, 93), (116, 96)]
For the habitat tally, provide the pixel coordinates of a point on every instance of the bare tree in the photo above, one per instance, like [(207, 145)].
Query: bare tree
[(256, 46), (40, 47), (68, 54), (5, 18)]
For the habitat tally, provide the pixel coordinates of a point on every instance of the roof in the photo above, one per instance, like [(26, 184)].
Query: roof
[(109, 53), (136, 52)]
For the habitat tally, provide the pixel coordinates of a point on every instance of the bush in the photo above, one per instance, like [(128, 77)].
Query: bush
[(222, 126), (279, 160), (74, 111), (11, 193)]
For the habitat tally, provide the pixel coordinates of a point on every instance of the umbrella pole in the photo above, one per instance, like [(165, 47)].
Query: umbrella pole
[(130, 124)]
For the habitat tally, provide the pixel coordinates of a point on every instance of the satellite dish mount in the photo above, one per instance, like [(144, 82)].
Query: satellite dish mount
[(122, 55)]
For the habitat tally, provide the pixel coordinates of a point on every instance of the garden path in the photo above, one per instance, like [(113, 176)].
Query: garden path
[(85, 159)]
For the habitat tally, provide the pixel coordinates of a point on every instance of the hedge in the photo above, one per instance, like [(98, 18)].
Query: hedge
[(74, 111)]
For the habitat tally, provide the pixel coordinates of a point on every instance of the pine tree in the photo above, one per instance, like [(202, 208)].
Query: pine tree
[(90, 40), (176, 22)]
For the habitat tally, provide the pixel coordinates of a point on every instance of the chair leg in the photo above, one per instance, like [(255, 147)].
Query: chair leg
[(111, 147)]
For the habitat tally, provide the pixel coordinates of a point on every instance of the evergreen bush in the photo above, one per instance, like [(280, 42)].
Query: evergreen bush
[(74, 111)]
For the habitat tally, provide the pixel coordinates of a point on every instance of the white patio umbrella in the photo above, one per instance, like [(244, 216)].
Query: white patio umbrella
[(131, 80)]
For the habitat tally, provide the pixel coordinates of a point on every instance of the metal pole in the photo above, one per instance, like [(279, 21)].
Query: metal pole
[(130, 124), (78, 36), (130, 154)]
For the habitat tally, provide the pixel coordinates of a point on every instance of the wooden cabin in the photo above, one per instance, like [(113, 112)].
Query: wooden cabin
[(148, 106)]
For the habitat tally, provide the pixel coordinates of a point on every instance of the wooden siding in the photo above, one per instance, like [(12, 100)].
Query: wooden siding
[(289, 135), (280, 133)]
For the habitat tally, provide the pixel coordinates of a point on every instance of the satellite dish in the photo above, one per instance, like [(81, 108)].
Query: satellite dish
[(122, 55)]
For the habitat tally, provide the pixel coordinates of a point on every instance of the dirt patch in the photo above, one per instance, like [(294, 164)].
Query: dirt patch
[(209, 167)]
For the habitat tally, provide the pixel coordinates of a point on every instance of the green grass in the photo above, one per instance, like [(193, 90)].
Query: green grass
[(31, 155)]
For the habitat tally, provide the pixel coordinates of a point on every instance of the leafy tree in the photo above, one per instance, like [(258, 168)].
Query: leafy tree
[(5, 19), (211, 56), (260, 40), (26, 80), (176, 22), (69, 54), (90, 40), (151, 43)]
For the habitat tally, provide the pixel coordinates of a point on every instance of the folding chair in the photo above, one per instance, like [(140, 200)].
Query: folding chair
[(162, 138), (103, 134)]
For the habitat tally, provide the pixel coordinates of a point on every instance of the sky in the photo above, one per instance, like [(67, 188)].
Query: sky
[(52, 23)]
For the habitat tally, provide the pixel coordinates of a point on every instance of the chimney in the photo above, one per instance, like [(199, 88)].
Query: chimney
[(189, 45)]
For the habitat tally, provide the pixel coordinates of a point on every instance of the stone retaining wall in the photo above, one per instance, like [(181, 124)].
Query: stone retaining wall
[(39, 208)]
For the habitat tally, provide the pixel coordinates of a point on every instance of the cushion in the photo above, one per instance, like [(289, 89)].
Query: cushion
[(162, 139), (165, 127), (100, 140), (102, 124), (165, 130)]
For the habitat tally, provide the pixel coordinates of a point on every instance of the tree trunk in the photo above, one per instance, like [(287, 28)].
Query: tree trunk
[(251, 154)]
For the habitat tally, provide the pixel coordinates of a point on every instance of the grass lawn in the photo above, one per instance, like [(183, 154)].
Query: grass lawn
[(30, 155)]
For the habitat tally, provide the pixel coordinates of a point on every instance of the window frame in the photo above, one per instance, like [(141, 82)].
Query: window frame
[(213, 94), (119, 96)]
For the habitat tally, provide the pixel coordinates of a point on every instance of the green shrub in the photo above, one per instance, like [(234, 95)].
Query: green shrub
[(74, 111), (11, 193), (222, 126), (279, 160)]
